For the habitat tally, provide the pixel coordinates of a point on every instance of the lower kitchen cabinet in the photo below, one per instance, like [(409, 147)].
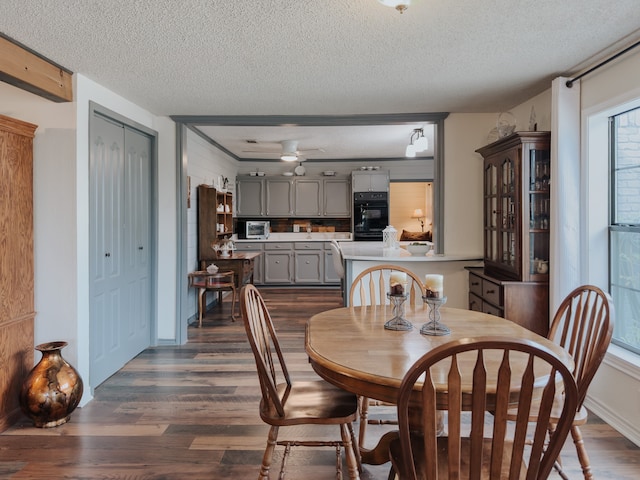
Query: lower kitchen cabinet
[(292, 263), (278, 262), (525, 303), (308, 264)]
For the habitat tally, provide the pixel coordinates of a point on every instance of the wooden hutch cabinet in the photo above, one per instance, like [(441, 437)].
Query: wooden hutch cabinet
[(17, 311), (215, 219), (515, 278)]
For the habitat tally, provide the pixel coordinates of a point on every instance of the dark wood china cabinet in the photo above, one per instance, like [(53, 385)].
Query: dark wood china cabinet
[(516, 204)]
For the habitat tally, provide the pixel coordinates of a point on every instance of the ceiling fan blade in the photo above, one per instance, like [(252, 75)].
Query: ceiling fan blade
[(321, 150), (270, 152)]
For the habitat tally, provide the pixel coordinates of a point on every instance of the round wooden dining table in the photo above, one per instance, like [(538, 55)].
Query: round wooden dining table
[(349, 347)]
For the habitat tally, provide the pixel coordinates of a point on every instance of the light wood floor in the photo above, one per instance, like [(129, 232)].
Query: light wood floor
[(191, 412)]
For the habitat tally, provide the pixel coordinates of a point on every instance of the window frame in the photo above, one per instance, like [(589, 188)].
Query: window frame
[(615, 226)]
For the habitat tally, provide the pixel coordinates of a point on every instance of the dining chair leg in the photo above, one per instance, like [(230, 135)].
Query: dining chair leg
[(268, 453), (583, 457), (349, 452), (233, 304), (392, 474), (356, 446), (202, 297), (363, 403)]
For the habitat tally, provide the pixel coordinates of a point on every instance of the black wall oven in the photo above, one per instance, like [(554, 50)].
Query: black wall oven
[(370, 215)]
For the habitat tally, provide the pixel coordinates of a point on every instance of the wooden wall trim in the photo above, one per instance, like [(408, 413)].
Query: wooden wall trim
[(29, 71)]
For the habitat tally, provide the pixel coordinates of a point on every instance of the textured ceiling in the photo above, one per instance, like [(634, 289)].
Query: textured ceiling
[(322, 57)]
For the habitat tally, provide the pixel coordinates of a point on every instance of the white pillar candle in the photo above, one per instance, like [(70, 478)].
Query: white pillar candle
[(434, 285), (397, 283)]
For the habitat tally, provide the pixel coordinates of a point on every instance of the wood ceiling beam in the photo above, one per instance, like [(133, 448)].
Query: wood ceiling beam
[(26, 69)]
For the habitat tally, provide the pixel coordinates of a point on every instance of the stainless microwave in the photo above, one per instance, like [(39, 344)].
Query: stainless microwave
[(258, 229)]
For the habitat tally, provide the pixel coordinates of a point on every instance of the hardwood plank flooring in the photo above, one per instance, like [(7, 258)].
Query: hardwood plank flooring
[(191, 412)]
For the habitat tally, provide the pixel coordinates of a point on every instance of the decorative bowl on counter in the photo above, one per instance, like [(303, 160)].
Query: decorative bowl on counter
[(418, 248)]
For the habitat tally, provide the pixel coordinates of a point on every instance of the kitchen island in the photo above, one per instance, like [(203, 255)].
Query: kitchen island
[(359, 256)]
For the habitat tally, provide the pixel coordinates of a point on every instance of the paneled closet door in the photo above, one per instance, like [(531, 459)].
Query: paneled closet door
[(120, 270)]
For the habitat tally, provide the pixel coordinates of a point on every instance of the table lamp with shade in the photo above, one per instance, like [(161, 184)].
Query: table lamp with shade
[(419, 214)]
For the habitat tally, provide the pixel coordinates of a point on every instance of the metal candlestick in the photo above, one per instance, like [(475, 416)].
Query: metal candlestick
[(433, 326), (398, 322)]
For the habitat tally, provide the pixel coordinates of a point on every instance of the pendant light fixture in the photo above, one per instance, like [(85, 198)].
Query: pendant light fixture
[(399, 5), (417, 143)]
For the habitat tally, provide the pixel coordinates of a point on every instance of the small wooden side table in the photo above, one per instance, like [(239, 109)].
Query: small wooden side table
[(217, 282)]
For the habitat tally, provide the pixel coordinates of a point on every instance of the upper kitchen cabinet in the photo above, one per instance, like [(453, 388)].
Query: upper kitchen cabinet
[(279, 197), (516, 207), (337, 197), (308, 197), (294, 197), (250, 197), (370, 181), (322, 197)]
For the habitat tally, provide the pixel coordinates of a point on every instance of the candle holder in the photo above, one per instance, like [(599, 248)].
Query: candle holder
[(433, 326), (398, 322)]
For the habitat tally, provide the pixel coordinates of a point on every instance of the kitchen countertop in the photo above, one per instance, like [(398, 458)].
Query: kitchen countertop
[(376, 252)]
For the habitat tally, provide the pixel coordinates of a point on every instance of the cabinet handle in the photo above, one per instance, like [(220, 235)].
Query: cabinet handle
[(277, 261), (491, 291), (141, 248), (107, 254), (475, 284), (307, 262)]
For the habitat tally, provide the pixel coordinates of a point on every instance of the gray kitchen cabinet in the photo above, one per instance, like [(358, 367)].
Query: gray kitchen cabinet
[(279, 197), (309, 263), (258, 262), (299, 197), (337, 197), (292, 263), (308, 197), (250, 197), (330, 275), (370, 181), (278, 262)]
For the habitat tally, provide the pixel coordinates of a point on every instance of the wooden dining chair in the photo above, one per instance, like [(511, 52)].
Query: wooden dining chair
[(372, 285), (583, 326), (286, 403), (338, 262), (485, 374), (216, 282)]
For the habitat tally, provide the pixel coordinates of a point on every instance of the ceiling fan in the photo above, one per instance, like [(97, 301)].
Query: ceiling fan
[(289, 150)]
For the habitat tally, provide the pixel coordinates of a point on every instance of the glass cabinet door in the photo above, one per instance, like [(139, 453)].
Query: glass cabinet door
[(491, 213), (509, 245), (539, 200)]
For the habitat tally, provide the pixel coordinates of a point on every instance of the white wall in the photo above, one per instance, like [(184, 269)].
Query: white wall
[(541, 105), (205, 163), (166, 246), (86, 91), (615, 392), (464, 133), (61, 218), (54, 214)]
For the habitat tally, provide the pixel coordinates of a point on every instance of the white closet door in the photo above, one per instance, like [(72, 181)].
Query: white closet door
[(120, 290)]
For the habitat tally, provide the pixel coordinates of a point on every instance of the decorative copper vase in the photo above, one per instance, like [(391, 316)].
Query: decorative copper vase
[(53, 388)]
